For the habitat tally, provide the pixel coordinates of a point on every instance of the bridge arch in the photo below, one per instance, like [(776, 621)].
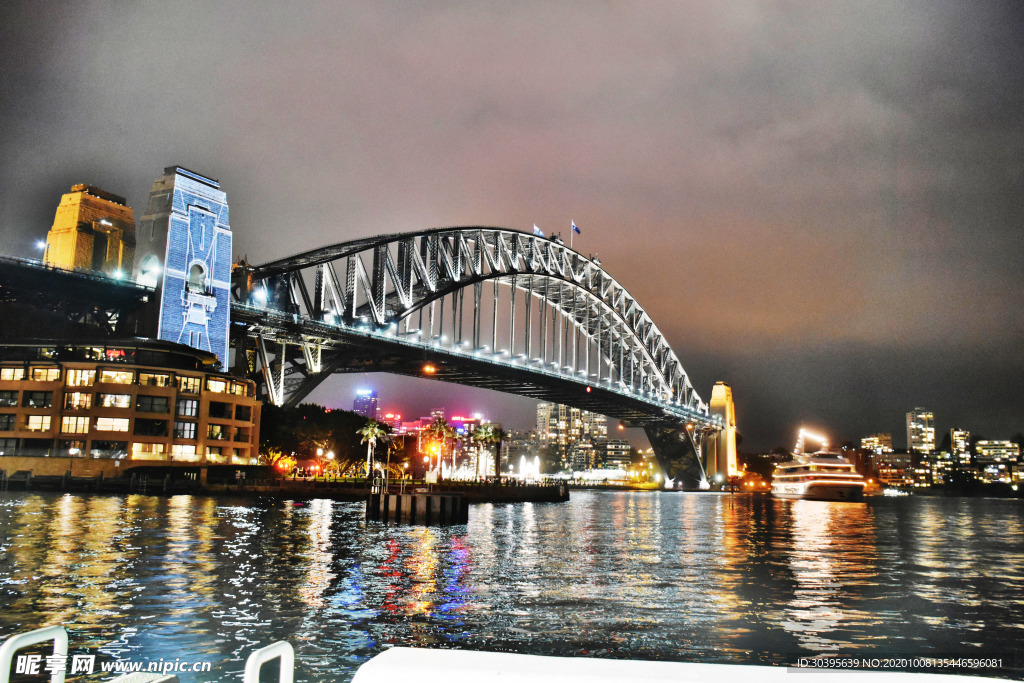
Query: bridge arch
[(550, 322)]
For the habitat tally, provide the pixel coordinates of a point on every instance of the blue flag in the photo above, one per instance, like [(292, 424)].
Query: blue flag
[(537, 231), (575, 229)]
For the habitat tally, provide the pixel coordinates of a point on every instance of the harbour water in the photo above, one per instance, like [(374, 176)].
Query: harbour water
[(672, 576)]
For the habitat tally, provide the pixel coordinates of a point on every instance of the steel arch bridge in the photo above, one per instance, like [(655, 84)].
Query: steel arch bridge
[(481, 306)]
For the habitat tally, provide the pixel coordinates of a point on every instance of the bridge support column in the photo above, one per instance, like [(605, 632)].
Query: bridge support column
[(675, 453), (721, 456)]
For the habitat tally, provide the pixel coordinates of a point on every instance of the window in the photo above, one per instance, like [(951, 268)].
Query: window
[(38, 423), (7, 422), (148, 451), (151, 427), (243, 412), (109, 449), (151, 379), (221, 411), (44, 374), (112, 424), (238, 388), (152, 404), (115, 400), (184, 430), (188, 385), (188, 407), (242, 435), (80, 378), (8, 446), (196, 279), (217, 386), (12, 374), (8, 399), (37, 399), (180, 451), (75, 448), (71, 424), (76, 400), (217, 432), (214, 454), (117, 376)]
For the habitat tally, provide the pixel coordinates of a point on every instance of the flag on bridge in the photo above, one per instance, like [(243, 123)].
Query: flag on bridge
[(575, 229), (537, 231)]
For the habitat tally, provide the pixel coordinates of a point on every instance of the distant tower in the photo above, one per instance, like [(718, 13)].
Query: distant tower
[(722, 448), (184, 245), (365, 403), (920, 431), (93, 230)]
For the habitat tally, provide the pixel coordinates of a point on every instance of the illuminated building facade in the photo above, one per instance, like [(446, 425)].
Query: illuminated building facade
[(92, 230), (562, 425), (920, 431), (988, 452), (960, 444), (878, 444), (365, 403), (107, 406), (184, 250)]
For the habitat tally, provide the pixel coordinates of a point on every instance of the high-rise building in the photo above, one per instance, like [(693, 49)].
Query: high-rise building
[(878, 444), (920, 431), (960, 444), (93, 230), (365, 403), (562, 425), (184, 247)]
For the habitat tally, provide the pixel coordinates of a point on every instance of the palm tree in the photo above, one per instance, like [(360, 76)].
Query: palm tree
[(371, 432), (497, 436), (439, 431), (481, 436)]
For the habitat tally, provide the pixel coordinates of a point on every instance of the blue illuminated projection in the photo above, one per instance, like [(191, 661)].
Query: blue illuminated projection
[(196, 304)]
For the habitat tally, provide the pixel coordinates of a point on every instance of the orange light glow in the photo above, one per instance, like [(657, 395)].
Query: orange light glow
[(429, 369)]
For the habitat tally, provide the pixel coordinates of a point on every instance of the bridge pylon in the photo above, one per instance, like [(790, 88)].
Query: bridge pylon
[(721, 449)]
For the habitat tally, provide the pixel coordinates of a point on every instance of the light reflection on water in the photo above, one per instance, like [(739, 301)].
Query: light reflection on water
[(642, 575)]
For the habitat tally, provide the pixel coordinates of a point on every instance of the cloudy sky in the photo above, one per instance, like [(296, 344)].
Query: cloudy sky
[(818, 202)]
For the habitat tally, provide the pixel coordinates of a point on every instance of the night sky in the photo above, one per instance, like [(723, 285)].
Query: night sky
[(819, 203)]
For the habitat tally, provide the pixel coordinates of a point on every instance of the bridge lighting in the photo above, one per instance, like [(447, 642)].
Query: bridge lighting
[(588, 390), (41, 245), (260, 294)]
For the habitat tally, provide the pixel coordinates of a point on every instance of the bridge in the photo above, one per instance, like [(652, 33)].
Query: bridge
[(481, 306)]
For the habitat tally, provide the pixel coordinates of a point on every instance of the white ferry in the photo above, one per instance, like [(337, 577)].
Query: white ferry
[(824, 475)]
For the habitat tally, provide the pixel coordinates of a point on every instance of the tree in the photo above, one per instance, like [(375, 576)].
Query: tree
[(498, 435), (438, 433), (372, 432)]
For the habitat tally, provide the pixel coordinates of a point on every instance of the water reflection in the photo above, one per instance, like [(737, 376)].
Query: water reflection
[(644, 575)]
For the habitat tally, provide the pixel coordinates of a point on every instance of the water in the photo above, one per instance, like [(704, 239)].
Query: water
[(686, 577)]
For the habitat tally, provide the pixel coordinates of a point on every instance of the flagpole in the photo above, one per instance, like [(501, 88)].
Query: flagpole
[(572, 233)]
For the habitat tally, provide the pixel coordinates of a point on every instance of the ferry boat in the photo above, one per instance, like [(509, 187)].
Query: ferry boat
[(823, 475)]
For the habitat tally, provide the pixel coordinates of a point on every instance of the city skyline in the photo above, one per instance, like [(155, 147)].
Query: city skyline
[(819, 205)]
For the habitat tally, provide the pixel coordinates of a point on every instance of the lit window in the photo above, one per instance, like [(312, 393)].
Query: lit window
[(44, 374), (117, 376), (148, 451), (8, 399), (154, 380), (12, 374), (218, 432), (217, 386), (188, 407), (238, 388), (186, 452), (76, 400), (70, 424), (112, 424), (184, 430), (38, 423), (188, 385), (80, 378), (115, 400)]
